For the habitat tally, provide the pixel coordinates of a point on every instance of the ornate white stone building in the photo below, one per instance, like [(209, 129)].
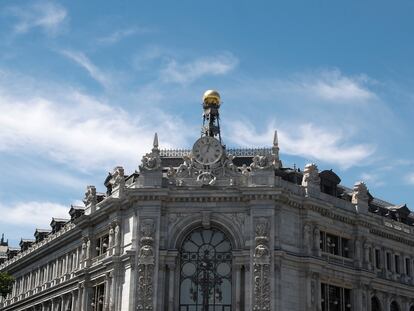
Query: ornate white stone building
[(217, 229)]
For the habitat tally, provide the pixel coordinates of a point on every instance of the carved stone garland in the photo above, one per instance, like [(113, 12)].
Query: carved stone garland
[(261, 267), (146, 263)]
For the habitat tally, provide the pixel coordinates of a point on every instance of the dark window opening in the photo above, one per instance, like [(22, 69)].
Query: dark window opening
[(334, 298)]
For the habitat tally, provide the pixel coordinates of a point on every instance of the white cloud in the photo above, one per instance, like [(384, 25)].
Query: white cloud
[(83, 61), (332, 85), (186, 73), (81, 131), (121, 34), (410, 178), (373, 179), (34, 214), (306, 140), (46, 15)]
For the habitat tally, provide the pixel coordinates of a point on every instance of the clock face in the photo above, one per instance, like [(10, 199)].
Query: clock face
[(207, 150)]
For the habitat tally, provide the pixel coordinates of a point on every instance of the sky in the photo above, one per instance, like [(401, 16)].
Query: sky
[(84, 85)]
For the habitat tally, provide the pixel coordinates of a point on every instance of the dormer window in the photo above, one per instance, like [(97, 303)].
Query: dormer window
[(329, 182)]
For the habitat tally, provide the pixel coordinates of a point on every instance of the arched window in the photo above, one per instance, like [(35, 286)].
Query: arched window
[(394, 306), (205, 271), (375, 304)]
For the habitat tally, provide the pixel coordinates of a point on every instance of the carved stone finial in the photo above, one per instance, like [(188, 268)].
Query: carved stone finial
[(275, 140), (360, 196), (311, 175), (155, 143), (151, 161), (90, 196), (360, 192)]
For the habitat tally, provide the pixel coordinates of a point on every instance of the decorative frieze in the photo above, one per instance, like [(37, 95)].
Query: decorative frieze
[(261, 266), (146, 262)]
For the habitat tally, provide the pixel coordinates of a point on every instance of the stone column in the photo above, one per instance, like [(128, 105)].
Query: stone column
[(171, 276), (107, 291), (76, 262), (357, 298), (114, 293), (367, 263), (62, 303), (357, 253), (161, 299), (248, 287), (307, 243), (73, 301), (66, 264), (238, 286)]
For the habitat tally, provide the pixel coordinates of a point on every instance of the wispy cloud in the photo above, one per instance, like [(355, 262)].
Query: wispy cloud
[(185, 73), (332, 85), (121, 34), (373, 179), (32, 213), (95, 72), (81, 131), (410, 178), (308, 140), (45, 15)]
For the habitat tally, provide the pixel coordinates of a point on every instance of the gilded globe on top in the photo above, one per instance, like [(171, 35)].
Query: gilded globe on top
[(211, 97)]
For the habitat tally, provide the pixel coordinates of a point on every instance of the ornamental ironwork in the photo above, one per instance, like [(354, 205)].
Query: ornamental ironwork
[(205, 271)]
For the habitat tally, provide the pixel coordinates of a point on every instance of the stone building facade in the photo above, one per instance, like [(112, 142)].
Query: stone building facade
[(216, 229)]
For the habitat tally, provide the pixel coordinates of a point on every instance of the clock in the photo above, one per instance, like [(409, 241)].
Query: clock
[(207, 150)]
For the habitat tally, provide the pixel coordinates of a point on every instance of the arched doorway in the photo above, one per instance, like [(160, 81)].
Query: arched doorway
[(375, 304), (206, 271), (394, 306)]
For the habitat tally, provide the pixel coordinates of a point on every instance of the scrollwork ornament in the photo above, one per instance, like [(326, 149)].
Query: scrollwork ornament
[(206, 178), (151, 161)]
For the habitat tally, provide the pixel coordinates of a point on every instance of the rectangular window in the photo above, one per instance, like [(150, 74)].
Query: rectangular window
[(388, 261), (345, 247), (408, 266), (334, 298), (332, 243), (102, 245), (397, 264), (98, 299), (377, 258), (335, 245)]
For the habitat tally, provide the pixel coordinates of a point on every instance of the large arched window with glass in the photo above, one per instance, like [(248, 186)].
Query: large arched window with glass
[(394, 306), (375, 304), (205, 271)]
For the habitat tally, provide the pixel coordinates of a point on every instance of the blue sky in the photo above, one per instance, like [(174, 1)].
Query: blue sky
[(85, 84)]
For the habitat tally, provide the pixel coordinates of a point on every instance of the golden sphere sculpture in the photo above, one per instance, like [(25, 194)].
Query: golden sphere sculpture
[(211, 98)]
